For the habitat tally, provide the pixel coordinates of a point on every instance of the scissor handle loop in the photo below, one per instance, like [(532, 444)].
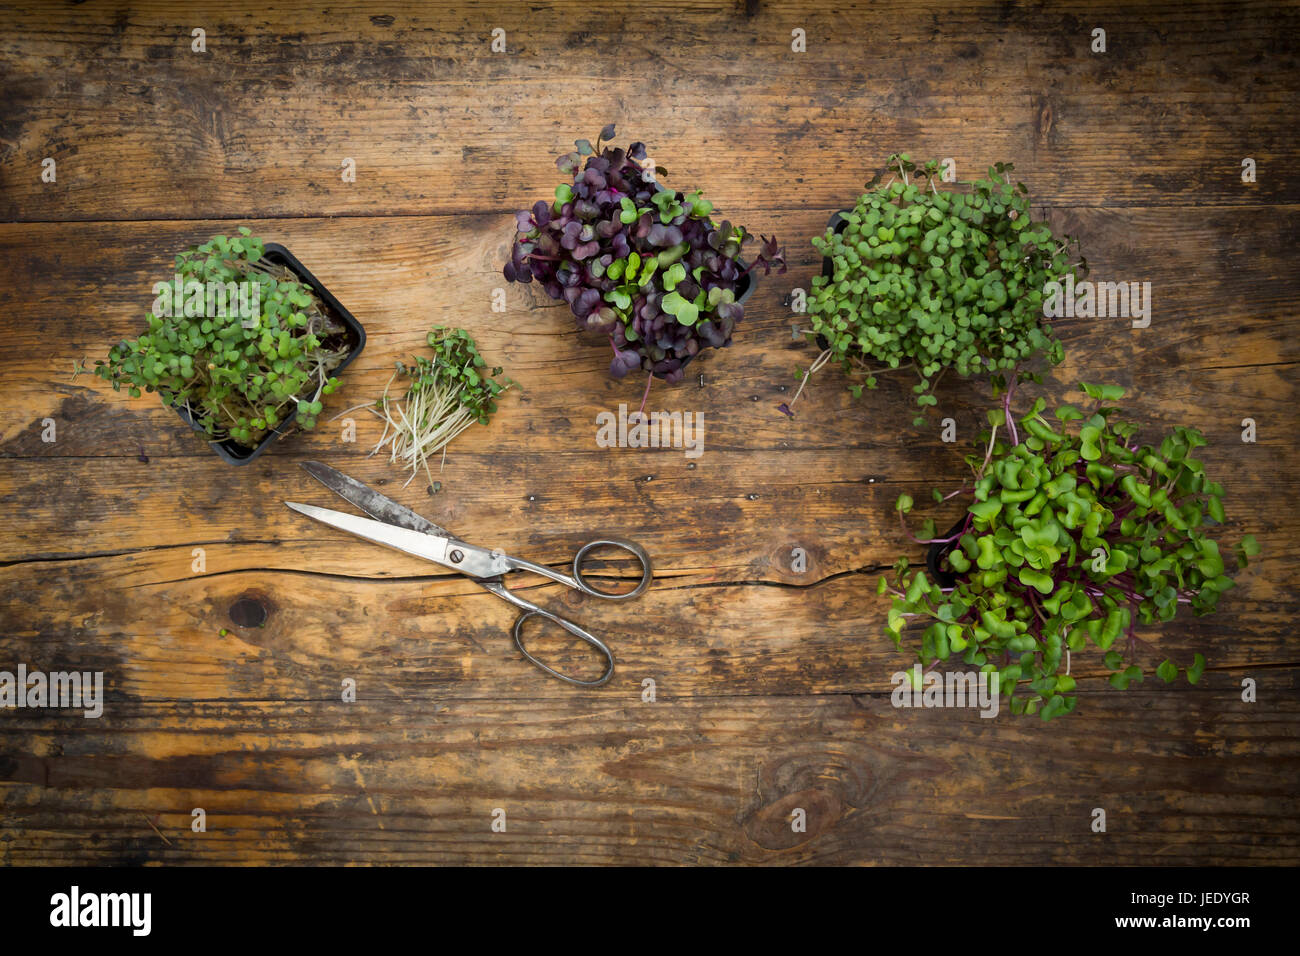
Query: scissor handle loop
[(576, 631), (647, 572)]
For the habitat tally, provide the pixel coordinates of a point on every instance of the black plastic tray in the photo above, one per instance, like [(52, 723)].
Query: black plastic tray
[(937, 552), (232, 451), (838, 223)]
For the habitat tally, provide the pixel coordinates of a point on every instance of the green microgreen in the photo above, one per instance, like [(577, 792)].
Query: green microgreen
[(930, 276), (1074, 533), (240, 377)]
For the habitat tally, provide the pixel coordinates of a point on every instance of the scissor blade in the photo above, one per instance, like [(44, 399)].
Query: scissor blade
[(431, 547), (371, 501)]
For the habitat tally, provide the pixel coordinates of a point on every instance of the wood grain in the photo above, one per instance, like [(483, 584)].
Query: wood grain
[(1211, 313), (419, 634), (1184, 778), (771, 686), (142, 127)]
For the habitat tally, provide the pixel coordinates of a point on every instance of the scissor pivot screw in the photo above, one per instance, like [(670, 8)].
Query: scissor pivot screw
[(457, 556)]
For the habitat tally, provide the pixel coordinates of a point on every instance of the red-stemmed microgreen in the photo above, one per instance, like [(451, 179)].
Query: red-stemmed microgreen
[(1072, 535)]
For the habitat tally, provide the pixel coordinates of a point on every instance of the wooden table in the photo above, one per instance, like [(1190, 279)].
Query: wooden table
[(771, 687)]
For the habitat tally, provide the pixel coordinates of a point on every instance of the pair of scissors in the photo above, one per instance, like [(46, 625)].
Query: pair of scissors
[(398, 527)]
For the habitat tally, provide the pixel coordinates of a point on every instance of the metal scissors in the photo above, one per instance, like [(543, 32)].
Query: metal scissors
[(401, 528)]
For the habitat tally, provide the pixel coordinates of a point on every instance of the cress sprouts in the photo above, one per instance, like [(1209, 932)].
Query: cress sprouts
[(440, 398)]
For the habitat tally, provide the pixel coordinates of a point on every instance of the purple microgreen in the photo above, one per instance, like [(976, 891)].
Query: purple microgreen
[(643, 264)]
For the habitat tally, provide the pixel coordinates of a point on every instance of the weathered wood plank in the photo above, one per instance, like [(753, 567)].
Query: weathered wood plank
[(1184, 777), (142, 127), (735, 521), (154, 629), (1222, 287)]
